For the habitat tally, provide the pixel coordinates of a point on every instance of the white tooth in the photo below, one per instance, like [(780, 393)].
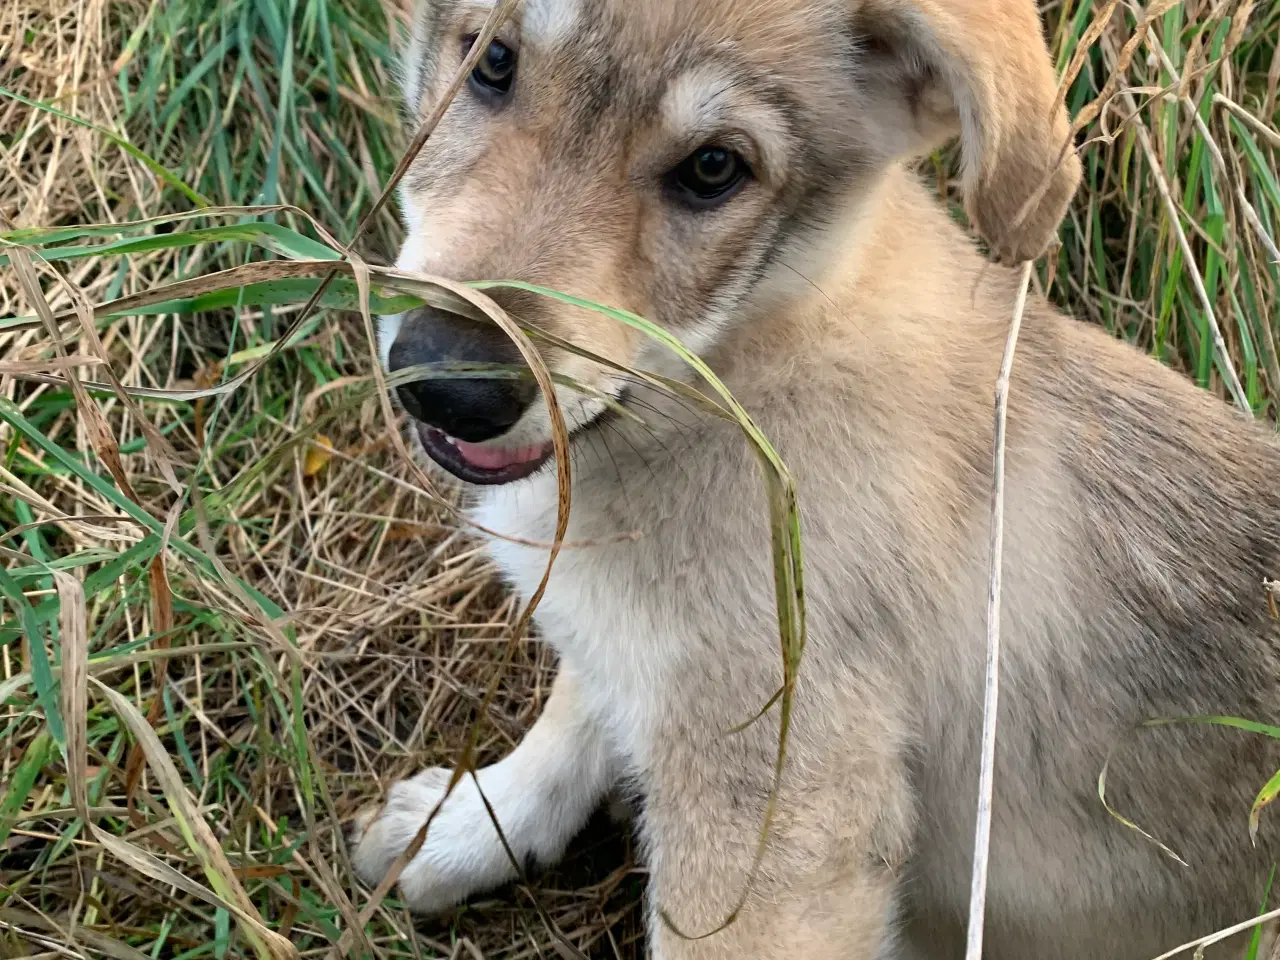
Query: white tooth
[(449, 440)]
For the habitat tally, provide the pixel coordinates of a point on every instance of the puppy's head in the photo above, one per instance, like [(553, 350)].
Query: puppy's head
[(667, 157)]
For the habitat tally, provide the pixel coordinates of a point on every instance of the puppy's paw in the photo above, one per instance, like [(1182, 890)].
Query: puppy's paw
[(462, 854)]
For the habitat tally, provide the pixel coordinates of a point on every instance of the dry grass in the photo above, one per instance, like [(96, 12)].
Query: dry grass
[(394, 627)]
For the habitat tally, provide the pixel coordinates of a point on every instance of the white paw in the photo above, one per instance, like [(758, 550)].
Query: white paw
[(462, 855)]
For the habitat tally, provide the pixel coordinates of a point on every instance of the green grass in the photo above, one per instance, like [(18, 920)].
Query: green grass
[(1120, 264), (268, 730)]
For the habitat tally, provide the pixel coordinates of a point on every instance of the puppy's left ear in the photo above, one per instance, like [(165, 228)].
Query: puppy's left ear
[(980, 68)]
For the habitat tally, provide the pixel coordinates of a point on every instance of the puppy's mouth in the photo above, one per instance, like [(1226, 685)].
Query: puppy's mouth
[(480, 463), (490, 465)]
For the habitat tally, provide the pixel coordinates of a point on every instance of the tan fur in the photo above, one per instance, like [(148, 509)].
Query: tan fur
[(1142, 514)]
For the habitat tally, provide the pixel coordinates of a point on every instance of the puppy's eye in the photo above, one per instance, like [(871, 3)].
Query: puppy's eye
[(709, 176), (495, 71)]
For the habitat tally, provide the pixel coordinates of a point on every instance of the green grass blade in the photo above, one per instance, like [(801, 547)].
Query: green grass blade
[(41, 669), (22, 780), (269, 236)]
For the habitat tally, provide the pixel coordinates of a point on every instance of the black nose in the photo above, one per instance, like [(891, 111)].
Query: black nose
[(466, 408)]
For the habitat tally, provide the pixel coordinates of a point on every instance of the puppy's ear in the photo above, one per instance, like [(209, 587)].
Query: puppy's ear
[(933, 68)]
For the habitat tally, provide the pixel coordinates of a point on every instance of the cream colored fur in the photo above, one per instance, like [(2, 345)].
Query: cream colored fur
[(1142, 516)]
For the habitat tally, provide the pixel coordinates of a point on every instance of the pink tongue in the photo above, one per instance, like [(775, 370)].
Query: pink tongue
[(496, 458)]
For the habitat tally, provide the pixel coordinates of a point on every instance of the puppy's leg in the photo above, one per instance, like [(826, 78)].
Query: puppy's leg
[(844, 918), (829, 882), (542, 794)]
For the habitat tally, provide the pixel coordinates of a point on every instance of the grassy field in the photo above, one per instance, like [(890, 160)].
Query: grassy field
[(278, 614)]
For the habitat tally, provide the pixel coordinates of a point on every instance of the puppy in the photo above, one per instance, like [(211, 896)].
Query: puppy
[(738, 172)]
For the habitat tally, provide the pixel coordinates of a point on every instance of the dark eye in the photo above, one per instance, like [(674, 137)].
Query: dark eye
[(709, 176), (495, 70)]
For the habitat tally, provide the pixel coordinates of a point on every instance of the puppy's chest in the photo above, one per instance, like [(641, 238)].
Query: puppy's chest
[(605, 611)]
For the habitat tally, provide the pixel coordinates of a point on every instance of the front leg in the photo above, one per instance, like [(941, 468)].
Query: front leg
[(542, 794), (828, 884)]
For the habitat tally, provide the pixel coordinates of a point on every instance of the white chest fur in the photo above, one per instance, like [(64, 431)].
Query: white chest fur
[(605, 610)]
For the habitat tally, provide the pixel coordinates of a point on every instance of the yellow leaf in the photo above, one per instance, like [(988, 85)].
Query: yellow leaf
[(318, 454)]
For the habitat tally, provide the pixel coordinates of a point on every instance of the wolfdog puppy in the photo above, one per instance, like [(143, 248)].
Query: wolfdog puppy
[(738, 171)]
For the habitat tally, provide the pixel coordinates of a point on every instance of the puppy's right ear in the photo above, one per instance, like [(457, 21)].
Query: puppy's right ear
[(979, 68)]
